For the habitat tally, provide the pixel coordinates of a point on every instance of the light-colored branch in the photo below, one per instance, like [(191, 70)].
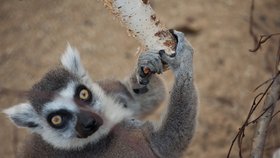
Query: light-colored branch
[(264, 121), (142, 23)]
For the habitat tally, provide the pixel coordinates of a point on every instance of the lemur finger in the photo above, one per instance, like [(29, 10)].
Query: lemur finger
[(150, 62), (142, 78), (159, 65), (156, 65), (165, 57)]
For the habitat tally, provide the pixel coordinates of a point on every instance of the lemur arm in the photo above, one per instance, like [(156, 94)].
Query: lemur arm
[(175, 132), (144, 98), (151, 93)]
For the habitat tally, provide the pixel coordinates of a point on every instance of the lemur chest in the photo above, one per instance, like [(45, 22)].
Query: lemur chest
[(129, 144)]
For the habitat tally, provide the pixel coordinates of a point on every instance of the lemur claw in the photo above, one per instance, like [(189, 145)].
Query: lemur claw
[(149, 63)]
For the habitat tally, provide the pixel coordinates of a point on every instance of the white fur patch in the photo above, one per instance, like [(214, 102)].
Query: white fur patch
[(276, 153), (72, 62), (18, 109), (63, 101), (22, 114), (112, 110)]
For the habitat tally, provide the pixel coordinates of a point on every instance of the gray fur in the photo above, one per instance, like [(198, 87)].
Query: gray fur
[(148, 102), (47, 88), (118, 91), (129, 138), (177, 128), (123, 141)]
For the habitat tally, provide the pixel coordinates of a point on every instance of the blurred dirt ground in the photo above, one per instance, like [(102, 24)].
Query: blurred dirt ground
[(34, 33)]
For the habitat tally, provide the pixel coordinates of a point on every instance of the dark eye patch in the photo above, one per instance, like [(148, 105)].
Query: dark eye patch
[(64, 115), (83, 93)]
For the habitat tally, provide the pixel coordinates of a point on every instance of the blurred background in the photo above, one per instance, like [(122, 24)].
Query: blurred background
[(34, 34)]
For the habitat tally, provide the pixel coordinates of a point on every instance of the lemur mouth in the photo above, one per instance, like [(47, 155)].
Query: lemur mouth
[(88, 123)]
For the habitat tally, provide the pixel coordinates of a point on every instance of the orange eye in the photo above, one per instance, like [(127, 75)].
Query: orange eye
[(56, 120), (84, 94)]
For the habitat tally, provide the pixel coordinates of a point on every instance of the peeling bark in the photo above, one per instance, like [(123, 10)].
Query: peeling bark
[(143, 24)]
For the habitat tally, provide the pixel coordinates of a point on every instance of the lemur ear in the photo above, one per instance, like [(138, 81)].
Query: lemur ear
[(72, 62), (23, 115)]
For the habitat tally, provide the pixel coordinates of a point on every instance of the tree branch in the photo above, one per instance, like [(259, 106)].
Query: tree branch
[(142, 23), (263, 123)]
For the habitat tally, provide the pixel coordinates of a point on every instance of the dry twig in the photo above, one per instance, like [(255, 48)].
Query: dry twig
[(262, 40), (271, 96), (256, 102), (264, 121)]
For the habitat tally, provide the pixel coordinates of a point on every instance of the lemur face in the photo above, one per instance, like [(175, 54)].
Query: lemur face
[(70, 112), (66, 108)]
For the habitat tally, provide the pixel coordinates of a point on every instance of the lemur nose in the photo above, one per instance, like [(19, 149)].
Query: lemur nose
[(89, 125), (88, 122)]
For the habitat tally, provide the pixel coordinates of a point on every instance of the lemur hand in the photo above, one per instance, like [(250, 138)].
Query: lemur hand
[(182, 59), (149, 63)]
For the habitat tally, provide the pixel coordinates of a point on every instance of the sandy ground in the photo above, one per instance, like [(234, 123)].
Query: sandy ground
[(34, 33)]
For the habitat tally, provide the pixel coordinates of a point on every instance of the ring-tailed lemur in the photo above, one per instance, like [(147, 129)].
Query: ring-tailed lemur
[(71, 116)]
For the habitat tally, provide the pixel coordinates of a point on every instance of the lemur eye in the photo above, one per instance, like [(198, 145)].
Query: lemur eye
[(83, 93), (59, 119), (56, 120)]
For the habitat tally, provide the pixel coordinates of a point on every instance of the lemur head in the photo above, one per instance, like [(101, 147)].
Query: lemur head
[(66, 108)]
